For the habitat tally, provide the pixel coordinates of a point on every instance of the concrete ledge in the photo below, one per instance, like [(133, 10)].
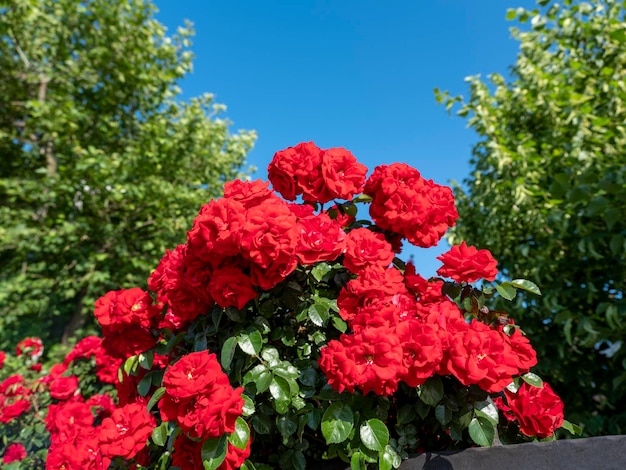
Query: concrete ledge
[(606, 453)]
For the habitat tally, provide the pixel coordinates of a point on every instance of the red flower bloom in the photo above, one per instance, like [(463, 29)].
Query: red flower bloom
[(539, 411), (235, 457), (405, 203), (216, 228), (125, 433), (14, 453), (365, 248), (297, 170), (319, 239), (63, 388), (248, 193), (128, 342), (194, 374), (230, 286), (67, 420), (85, 348), (373, 361), (478, 355), (467, 264), (33, 347), (343, 175), (122, 309), (3, 356), (422, 350)]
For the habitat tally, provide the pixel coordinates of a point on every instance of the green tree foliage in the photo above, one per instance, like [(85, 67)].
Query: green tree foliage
[(547, 195), (101, 164)]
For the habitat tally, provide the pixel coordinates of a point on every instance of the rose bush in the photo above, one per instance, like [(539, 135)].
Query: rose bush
[(284, 333)]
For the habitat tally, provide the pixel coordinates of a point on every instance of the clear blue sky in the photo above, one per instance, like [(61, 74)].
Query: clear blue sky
[(347, 73)]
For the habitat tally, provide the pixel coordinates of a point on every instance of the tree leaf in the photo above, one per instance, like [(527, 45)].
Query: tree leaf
[(156, 396)]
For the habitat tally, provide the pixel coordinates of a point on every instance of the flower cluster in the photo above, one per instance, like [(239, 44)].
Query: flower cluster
[(283, 331)]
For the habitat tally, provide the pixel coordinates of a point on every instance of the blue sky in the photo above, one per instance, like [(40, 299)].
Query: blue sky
[(346, 73)]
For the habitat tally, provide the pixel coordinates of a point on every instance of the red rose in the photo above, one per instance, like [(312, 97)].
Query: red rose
[(66, 420), (235, 457), (405, 203), (248, 193), (339, 365), (422, 350), (85, 348), (365, 248), (268, 277), (196, 373), (478, 355), (125, 433), (268, 234), (3, 356), (539, 411), (216, 228), (63, 388), (128, 342), (319, 239), (14, 453), (33, 347), (467, 264), (343, 175), (187, 453), (230, 286), (297, 170), (122, 309)]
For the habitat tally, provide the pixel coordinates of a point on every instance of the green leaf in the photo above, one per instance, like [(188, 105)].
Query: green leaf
[(271, 355), (389, 459), (481, 431), (143, 387), (511, 14), (506, 290), (279, 389), (241, 435), (160, 433), (248, 405), (250, 341), (286, 425), (156, 396), (488, 410), (526, 285), (443, 414), (318, 314), (572, 428), (532, 379), (228, 352), (339, 324), (146, 359), (431, 391), (374, 434), (214, 452), (320, 270), (357, 461), (337, 423), (260, 376)]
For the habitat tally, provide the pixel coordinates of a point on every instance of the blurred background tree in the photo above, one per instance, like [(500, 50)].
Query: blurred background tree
[(102, 166), (547, 195)]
